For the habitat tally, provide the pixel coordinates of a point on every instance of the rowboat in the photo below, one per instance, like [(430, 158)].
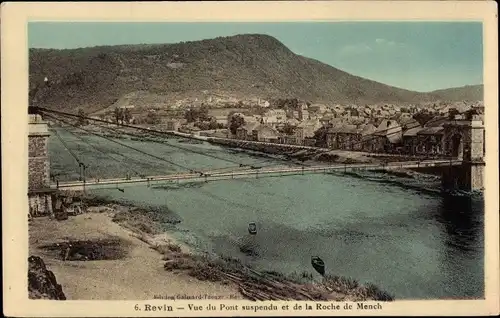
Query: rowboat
[(318, 265), (252, 228)]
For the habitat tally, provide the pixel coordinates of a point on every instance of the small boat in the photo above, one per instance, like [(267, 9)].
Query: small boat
[(318, 265), (252, 228), (121, 190)]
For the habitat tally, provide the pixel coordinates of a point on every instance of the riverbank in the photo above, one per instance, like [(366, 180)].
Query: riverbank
[(112, 249)]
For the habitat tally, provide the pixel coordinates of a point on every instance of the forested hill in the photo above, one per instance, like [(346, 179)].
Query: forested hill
[(242, 66)]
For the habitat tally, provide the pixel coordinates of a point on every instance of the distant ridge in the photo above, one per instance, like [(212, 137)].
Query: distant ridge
[(241, 66), (464, 93)]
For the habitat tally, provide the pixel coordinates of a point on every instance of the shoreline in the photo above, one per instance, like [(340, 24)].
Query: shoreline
[(162, 256)]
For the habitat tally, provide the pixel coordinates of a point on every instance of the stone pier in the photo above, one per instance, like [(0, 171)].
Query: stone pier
[(39, 191), (464, 139)]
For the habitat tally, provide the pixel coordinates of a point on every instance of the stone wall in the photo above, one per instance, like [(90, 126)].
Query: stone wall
[(40, 204), (39, 174), (38, 163), (477, 177), (37, 146), (39, 194)]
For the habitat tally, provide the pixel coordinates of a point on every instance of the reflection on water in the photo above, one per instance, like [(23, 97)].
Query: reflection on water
[(414, 244), (462, 217)]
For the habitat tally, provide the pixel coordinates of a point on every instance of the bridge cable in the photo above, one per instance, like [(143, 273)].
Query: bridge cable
[(100, 135), (179, 147), (131, 126), (98, 149), (116, 130), (127, 146), (47, 110), (80, 163), (103, 152), (200, 153)]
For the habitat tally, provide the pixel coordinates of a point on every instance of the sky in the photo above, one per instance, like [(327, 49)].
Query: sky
[(419, 56)]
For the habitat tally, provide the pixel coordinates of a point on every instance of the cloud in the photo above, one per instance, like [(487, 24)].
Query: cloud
[(385, 42), (355, 49)]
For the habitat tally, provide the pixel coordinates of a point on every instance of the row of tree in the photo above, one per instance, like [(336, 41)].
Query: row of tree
[(122, 115)]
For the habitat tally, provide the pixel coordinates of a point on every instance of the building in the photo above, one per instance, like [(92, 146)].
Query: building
[(266, 133), (348, 136), (39, 191), (410, 140), (221, 120), (172, 125), (245, 132), (303, 114), (387, 138), (274, 116), (317, 108), (430, 141), (306, 129)]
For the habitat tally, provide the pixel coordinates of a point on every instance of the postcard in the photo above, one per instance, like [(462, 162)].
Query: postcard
[(253, 158)]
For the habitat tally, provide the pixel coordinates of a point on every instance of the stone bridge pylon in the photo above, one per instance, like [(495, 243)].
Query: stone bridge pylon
[(464, 139), (39, 191)]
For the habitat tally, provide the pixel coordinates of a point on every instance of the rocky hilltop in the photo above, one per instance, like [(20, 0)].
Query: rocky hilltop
[(42, 283), (241, 66)]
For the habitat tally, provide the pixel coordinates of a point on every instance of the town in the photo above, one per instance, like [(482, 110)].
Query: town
[(379, 128)]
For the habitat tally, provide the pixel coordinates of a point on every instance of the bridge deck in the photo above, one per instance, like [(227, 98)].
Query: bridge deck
[(255, 173)]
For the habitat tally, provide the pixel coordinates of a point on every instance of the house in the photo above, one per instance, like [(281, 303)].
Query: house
[(303, 114), (293, 122), (430, 141), (274, 116), (266, 133), (407, 123), (348, 136), (288, 139), (309, 142), (410, 140), (317, 108), (386, 138), (366, 132), (263, 103), (331, 135), (306, 129), (245, 132), (172, 125), (221, 120)]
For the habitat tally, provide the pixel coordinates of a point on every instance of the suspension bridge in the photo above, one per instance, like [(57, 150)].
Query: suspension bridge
[(206, 176), (238, 168)]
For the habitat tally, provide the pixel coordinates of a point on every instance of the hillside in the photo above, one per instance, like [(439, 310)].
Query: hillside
[(242, 66), (465, 93)]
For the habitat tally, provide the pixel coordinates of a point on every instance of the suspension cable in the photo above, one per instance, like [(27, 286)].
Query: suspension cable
[(127, 146), (80, 163), (240, 165), (148, 130), (101, 151)]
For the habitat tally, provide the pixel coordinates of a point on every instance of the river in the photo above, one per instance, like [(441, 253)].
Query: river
[(411, 243)]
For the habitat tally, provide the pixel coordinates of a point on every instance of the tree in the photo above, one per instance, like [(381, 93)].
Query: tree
[(152, 118), (452, 112), (118, 115), (288, 129), (127, 116), (423, 117), (235, 123), (81, 117), (193, 114), (354, 111), (320, 136)]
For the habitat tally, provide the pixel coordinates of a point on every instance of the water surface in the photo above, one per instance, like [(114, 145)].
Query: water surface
[(413, 244)]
